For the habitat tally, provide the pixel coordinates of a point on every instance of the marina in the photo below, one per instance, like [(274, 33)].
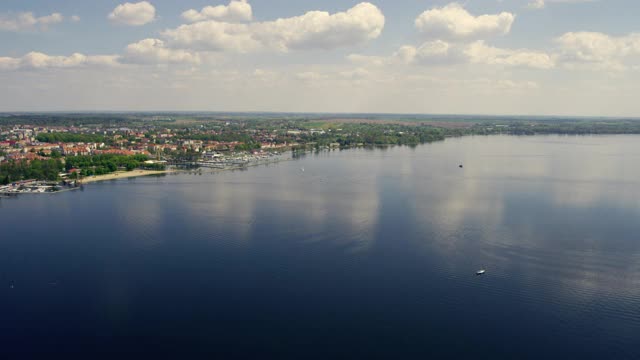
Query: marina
[(31, 187), (216, 161)]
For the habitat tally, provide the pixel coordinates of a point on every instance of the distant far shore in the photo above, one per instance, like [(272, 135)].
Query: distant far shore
[(124, 175)]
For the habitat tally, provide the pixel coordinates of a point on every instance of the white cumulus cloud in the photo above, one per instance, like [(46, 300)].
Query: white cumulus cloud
[(453, 21), (541, 4), (442, 53), (313, 30), (9, 63), (213, 35), (536, 4), (38, 60), (602, 50), (133, 14), (154, 51), (596, 46), (479, 52), (435, 52), (235, 11), (27, 21)]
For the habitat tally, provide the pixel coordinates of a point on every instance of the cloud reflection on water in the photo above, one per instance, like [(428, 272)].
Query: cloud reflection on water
[(514, 198)]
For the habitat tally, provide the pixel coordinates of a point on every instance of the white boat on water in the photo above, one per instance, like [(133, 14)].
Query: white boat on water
[(480, 272)]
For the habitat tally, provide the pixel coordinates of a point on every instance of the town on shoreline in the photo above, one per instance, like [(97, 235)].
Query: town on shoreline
[(50, 152)]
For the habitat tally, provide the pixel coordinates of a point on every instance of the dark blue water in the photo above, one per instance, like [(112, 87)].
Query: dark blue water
[(365, 254)]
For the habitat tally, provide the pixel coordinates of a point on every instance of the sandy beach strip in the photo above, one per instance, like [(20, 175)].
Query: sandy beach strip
[(123, 175), (137, 173)]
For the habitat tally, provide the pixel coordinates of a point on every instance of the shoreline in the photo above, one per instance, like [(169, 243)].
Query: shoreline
[(124, 175), (119, 175), (139, 173)]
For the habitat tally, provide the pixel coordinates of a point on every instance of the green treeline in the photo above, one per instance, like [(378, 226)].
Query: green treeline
[(391, 135), (12, 171), (374, 134), (561, 127), (112, 120), (67, 137), (108, 163)]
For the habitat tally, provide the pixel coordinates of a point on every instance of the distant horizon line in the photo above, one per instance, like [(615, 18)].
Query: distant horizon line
[(446, 115)]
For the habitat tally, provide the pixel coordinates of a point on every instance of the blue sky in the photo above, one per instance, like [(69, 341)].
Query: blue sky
[(565, 57)]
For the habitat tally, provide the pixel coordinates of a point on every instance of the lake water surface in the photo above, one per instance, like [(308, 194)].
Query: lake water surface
[(364, 254)]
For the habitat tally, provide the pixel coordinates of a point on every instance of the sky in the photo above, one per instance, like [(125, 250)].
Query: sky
[(523, 57)]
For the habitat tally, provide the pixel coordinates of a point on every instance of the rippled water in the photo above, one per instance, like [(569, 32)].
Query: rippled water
[(365, 253)]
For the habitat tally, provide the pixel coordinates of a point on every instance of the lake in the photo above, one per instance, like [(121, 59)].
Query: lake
[(366, 253)]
